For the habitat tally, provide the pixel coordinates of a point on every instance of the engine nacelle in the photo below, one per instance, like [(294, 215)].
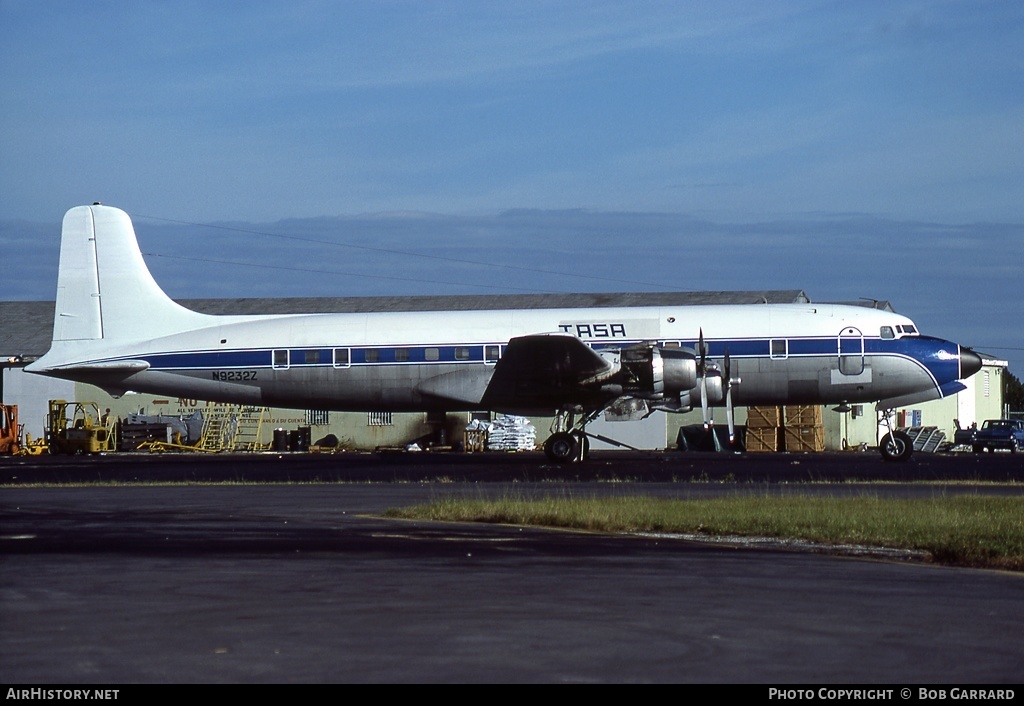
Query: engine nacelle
[(679, 370), (652, 372), (715, 388)]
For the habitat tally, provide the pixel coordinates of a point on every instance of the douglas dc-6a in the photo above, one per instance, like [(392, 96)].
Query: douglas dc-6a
[(115, 328)]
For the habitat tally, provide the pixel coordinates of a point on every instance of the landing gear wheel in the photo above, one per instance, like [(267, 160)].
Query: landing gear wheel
[(896, 446), (562, 447)]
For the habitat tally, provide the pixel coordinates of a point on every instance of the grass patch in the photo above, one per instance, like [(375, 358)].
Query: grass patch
[(980, 531)]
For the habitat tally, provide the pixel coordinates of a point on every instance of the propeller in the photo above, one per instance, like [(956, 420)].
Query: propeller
[(703, 370), (729, 416)]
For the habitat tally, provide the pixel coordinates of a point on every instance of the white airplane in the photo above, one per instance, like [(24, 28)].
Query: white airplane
[(116, 329)]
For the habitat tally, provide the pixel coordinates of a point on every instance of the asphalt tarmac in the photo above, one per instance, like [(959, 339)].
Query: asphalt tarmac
[(112, 583)]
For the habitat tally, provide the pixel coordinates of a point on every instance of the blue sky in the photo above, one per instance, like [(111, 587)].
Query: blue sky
[(852, 136), (258, 111)]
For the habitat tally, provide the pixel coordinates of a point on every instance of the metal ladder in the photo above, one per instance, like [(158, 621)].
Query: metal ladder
[(220, 424), (249, 428)]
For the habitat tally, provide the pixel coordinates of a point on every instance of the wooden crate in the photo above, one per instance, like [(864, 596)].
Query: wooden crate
[(475, 440), (764, 417), (805, 438), (803, 415), (762, 439)]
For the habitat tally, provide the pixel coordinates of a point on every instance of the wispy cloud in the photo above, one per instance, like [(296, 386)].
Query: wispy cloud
[(943, 276), (602, 122)]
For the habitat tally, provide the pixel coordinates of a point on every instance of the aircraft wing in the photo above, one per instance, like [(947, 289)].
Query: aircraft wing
[(545, 370)]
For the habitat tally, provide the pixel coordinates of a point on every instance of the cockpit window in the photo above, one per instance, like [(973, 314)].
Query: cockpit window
[(909, 329), (887, 332)]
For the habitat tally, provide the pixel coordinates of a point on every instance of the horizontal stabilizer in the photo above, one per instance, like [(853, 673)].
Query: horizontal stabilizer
[(113, 366)]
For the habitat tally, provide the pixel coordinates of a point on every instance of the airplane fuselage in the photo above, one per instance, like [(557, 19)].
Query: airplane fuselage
[(782, 354)]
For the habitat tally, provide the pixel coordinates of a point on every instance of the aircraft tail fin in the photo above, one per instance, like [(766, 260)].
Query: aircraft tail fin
[(104, 288)]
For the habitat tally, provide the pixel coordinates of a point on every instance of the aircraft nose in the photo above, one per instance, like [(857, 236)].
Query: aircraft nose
[(970, 362)]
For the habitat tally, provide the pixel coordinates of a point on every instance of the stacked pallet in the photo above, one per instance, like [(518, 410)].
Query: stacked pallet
[(804, 430), (134, 434), (764, 429)]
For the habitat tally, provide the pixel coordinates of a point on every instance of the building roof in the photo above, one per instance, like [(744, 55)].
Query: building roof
[(26, 327)]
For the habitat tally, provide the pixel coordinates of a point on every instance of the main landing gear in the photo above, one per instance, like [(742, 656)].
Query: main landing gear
[(570, 441), (567, 446)]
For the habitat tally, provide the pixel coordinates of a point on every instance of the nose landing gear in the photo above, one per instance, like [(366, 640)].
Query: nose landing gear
[(895, 445)]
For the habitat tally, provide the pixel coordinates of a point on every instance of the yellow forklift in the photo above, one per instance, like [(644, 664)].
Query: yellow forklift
[(13, 439), (79, 428), (10, 434)]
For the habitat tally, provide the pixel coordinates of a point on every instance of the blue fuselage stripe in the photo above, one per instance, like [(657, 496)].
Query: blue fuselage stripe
[(939, 358)]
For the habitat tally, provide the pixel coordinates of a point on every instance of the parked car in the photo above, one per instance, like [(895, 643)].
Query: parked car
[(999, 434)]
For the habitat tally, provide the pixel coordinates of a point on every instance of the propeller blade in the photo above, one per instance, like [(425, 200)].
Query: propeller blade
[(702, 369), (729, 413), (704, 399), (729, 417)]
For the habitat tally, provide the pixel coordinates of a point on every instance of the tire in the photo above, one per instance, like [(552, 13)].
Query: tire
[(896, 447), (561, 447)]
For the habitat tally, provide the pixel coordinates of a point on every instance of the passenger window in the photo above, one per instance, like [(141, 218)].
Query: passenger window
[(372, 355), (341, 357), (401, 355), (280, 358), (491, 354), (431, 354), (779, 349), (312, 357), (462, 353), (887, 332)]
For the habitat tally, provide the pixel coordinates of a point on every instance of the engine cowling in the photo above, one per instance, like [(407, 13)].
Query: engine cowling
[(679, 370), (654, 372)]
